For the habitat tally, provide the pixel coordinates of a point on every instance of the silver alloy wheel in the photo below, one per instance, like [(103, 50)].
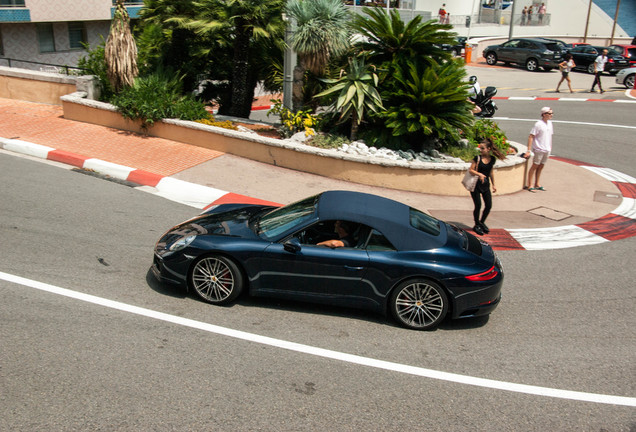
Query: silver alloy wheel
[(531, 65), (216, 279), (629, 81), (419, 304), (491, 59), (590, 69)]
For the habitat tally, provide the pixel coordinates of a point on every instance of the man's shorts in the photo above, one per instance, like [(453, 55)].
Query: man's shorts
[(540, 158)]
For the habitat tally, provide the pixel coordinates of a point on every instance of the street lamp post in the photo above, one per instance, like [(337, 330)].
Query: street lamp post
[(289, 64)]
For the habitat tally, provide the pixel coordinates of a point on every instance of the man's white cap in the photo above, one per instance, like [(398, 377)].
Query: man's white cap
[(545, 110)]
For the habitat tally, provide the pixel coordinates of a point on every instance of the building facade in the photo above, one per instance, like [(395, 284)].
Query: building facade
[(48, 35)]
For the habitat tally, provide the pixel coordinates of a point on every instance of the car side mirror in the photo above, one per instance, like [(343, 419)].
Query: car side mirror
[(292, 245)]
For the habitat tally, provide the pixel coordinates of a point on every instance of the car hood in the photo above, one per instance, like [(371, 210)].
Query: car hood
[(230, 220)]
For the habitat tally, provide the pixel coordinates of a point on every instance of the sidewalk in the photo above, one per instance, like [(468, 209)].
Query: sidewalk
[(581, 205)]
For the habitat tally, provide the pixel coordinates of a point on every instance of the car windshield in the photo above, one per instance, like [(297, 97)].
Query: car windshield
[(278, 221), (423, 222)]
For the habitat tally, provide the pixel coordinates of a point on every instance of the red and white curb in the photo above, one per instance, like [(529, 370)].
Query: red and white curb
[(619, 224), (561, 99)]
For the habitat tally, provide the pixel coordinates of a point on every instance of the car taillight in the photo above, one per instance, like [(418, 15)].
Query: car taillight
[(611, 60), (491, 273)]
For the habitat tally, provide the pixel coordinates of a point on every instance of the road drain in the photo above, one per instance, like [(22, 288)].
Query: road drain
[(549, 213)]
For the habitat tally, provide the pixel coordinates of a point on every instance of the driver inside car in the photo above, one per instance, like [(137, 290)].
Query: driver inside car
[(345, 238)]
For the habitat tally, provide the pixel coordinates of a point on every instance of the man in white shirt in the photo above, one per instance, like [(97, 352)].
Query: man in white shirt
[(599, 67), (540, 143)]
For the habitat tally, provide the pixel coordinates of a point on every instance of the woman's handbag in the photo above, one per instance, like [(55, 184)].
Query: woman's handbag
[(469, 181)]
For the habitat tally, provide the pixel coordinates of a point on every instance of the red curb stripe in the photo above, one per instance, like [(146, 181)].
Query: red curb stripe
[(573, 162), (232, 198), (611, 227), (144, 178), (67, 158), (601, 100), (501, 97), (500, 239), (628, 190), (262, 107)]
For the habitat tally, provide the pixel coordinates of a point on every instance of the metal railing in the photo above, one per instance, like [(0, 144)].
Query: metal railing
[(45, 67)]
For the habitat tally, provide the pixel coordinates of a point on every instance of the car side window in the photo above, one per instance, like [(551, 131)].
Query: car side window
[(378, 242), (590, 51), (524, 45)]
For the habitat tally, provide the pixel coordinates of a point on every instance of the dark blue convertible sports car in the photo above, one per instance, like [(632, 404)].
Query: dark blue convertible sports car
[(397, 260)]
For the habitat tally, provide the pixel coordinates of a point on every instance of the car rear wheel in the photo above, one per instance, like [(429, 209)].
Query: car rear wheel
[(590, 68), (419, 304), (491, 58), (629, 81), (216, 279), (532, 65)]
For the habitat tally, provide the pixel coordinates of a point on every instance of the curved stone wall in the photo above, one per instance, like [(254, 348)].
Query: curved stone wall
[(432, 178)]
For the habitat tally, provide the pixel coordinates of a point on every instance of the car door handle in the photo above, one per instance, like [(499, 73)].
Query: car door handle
[(353, 268)]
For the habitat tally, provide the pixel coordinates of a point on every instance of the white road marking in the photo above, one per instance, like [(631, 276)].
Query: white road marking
[(567, 122), (320, 352)]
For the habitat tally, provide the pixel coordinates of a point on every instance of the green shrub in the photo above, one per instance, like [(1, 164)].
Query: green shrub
[(95, 64), (485, 128), (293, 122), (155, 97)]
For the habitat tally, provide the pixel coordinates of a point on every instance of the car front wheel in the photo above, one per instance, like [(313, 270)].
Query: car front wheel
[(419, 304), (216, 279), (532, 65), (491, 58), (629, 81)]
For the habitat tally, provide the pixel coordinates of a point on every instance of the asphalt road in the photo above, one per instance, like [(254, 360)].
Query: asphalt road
[(566, 323)]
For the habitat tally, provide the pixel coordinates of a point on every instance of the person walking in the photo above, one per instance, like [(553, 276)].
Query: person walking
[(566, 66), (482, 167), (524, 15), (530, 15), (542, 10), (599, 67), (540, 141)]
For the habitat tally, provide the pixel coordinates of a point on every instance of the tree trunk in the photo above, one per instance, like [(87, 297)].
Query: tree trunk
[(242, 94), (354, 125), (297, 88)]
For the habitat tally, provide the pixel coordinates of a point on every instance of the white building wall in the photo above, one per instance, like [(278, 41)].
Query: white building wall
[(69, 10)]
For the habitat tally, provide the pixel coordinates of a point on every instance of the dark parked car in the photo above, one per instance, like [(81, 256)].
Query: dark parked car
[(402, 262), (627, 51), (457, 48), (584, 56), (532, 53)]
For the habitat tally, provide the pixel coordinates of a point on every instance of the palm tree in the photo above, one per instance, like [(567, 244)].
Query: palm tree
[(239, 24), (322, 32), (387, 39), (120, 50), (357, 92)]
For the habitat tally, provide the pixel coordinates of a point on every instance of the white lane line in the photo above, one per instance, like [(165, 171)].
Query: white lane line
[(320, 352), (567, 122)]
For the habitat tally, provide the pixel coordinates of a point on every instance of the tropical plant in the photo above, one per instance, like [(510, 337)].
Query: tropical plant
[(120, 50), (321, 32), (239, 24), (429, 105), (387, 40), (357, 92)]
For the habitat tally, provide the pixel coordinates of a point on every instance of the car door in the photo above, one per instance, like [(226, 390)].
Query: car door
[(508, 50), (301, 269)]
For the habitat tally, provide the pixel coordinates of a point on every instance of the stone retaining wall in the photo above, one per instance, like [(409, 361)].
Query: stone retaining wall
[(432, 178)]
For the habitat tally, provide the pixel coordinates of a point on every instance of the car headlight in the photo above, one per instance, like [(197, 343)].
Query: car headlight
[(182, 243)]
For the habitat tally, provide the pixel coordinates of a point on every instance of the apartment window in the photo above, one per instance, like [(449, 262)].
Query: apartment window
[(45, 37), (76, 35), (11, 3)]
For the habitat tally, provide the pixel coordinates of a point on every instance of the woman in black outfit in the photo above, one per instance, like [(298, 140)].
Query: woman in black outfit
[(482, 167)]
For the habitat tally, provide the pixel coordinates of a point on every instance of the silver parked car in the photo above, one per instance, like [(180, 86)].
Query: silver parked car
[(626, 77)]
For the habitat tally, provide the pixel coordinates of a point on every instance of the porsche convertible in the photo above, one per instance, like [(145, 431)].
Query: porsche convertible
[(400, 261)]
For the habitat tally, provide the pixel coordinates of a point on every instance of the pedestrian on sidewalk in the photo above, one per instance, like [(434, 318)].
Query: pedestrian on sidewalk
[(566, 66), (524, 15), (481, 166), (599, 67), (540, 141)]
